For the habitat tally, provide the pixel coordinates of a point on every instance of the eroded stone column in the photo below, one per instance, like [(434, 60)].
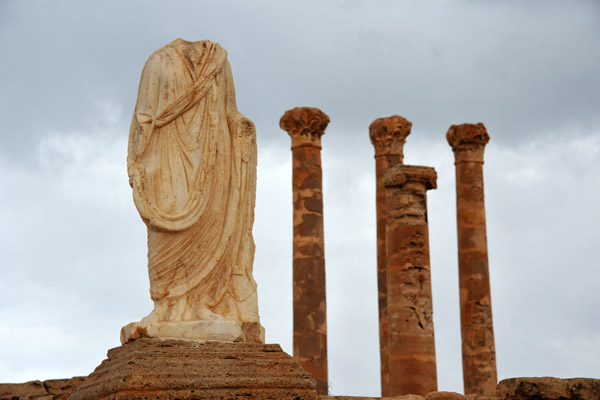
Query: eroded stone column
[(478, 350), (388, 136), (411, 352), (306, 126)]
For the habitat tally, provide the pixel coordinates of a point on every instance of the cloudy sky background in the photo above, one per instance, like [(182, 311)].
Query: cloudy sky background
[(73, 248)]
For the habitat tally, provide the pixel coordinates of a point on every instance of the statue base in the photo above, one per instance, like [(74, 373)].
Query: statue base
[(154, 369), (217, 330)]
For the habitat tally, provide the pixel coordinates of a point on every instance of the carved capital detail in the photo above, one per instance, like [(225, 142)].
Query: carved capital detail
[(402, 175), (305, 125), (468, 141), (388, 135)]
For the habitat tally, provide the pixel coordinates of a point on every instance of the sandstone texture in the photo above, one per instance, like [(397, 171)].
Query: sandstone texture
[(405, 397), (544, 388), (548, 388), (52, 389), (192, 166), (411, 346), (444, 396), (306, 126), (388, 136), (428, 396), (478, 350), (153, 369)]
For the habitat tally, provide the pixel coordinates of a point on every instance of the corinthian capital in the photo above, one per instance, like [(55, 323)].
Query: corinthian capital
[(305, 125), (468, 142), (388, 135)]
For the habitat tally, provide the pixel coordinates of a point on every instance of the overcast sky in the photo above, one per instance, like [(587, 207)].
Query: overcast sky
[(73, 246)]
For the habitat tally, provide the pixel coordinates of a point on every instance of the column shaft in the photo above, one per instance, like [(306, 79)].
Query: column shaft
[(412, 360), (478, 349), (305, 126), (388, 136), (381, 165)]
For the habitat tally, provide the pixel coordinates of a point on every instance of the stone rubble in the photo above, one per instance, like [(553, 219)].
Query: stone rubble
[(51, 389)]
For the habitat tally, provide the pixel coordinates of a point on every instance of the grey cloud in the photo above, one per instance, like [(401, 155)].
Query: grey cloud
[(507, 65)]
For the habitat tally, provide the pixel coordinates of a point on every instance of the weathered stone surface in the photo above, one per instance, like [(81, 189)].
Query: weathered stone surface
[(405, 397), (480, 397), (444, 396), (548, 388), (388, 136), (306, 126), (478, 349), (411, 347), (27, 390), (63, 387), (153, 369), (52, 389), (192, 166), (456, 396), (428, 396)]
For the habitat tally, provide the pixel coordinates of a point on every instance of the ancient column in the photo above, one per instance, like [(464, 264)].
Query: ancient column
[(388, 136), (411, 347), (478, 350), (305, 126)]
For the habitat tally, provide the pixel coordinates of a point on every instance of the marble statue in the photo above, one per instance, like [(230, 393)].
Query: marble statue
[(192, 166)]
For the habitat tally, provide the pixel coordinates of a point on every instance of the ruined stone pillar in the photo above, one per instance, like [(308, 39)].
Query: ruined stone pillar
[(306, 126), (411, 351), (478, 350), (388, 136)]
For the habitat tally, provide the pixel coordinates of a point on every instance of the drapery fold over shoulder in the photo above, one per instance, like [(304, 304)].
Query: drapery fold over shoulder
[(213, 61)]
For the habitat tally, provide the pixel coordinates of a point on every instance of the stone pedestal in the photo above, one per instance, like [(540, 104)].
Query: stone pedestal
[(478, 349), (411, 351), (388, 136), (306, 126), (153, 369), (221, 330)]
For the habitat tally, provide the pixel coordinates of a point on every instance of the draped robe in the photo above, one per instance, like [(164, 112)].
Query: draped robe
[(192, 166)]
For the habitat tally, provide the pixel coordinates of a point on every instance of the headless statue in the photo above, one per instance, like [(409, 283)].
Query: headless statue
[(192, 166)]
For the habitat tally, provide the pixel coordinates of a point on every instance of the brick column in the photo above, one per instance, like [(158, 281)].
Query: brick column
[(306, 126), (388, 136), (409, 304), (478, 350)]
